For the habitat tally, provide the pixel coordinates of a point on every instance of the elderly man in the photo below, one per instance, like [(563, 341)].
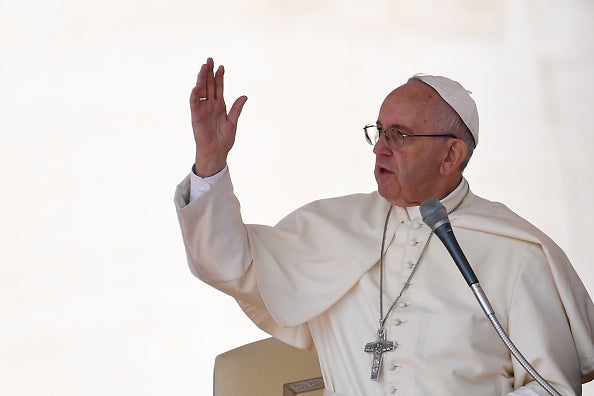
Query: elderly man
[(361, 279)]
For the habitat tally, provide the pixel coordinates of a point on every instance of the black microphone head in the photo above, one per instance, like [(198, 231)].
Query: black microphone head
[(434, 213)]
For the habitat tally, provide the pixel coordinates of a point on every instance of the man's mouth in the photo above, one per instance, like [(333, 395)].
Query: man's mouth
[(381, 170)]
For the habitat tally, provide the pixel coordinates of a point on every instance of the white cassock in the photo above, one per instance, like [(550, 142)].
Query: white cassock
[(313, 281)]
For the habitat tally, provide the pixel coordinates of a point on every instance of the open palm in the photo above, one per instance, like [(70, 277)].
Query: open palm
[(214, 128)]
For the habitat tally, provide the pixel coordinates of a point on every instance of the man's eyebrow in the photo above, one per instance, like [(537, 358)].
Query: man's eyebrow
[(395, 126)]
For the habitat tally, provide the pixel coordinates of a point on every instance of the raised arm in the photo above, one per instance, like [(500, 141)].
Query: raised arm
[(214, 128)]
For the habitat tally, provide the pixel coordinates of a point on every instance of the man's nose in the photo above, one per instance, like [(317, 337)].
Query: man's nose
[(381, 147)]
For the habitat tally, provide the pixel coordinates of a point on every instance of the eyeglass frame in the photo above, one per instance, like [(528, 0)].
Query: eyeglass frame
[(400, 133)]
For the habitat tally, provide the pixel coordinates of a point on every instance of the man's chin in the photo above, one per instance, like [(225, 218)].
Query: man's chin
[(391, 194), (388, 193)]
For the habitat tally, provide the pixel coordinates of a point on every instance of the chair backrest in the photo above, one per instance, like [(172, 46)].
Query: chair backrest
[(267, 368)]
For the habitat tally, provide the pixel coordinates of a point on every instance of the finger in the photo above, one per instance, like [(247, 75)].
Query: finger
[(201, 81), (195, 97), (210, 83), (201, 74), (236, 109), (219, 82)]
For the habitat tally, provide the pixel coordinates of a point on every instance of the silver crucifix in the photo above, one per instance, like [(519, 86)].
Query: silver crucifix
[(378, 348)]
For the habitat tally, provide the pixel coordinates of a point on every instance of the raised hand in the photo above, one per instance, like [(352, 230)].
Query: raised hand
[(214, 128)]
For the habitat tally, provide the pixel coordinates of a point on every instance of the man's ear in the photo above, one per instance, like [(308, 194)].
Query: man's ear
[(453, 157)]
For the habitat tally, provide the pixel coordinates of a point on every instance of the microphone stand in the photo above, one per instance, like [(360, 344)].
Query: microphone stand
[(486, 306), (436, 217)]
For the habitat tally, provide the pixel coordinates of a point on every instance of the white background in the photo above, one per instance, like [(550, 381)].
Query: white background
[(95, 295)]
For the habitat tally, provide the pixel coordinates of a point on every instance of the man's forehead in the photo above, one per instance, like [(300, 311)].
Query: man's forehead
[(411, 107), (414, 95)]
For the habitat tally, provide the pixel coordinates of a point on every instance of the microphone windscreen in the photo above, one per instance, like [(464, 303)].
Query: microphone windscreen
[(433, 212)]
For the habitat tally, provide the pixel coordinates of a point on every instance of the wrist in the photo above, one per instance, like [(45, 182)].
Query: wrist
[(207, 170)]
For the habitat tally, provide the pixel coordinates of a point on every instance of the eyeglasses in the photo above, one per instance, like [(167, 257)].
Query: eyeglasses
[(394, 137)]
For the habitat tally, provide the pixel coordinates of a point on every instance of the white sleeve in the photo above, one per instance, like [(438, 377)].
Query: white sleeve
[(218, 252), (200, 185)]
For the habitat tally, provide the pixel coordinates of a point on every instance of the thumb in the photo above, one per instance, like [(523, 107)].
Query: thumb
[(236, 109)]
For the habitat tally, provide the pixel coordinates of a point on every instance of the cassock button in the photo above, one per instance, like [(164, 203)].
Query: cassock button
[(417, 224), (394, 366), (410, 264), (413, 242), (403, 304), (392, 390), (397, 322)]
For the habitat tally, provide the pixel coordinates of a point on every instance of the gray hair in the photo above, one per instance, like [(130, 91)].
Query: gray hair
[(452, 123)]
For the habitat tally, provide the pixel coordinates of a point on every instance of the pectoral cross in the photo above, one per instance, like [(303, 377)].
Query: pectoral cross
[(378, 348)]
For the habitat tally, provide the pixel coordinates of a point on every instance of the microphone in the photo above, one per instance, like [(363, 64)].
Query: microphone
[(435, 215)]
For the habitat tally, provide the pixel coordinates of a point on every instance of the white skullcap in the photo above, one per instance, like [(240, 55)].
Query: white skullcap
[(456, 96)]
